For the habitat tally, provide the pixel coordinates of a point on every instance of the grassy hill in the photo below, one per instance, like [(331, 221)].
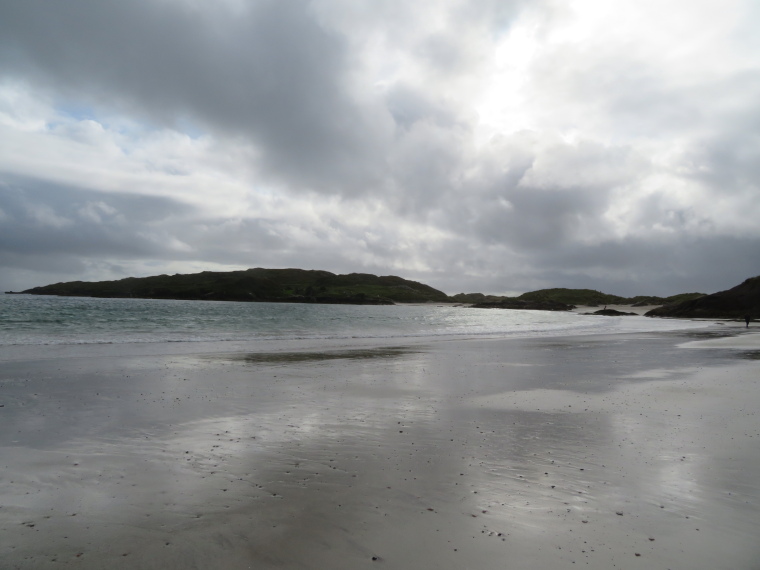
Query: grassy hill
[(259, 284), (587, 297), (582, 297), (591, 298), (314, 286), (734, 303)]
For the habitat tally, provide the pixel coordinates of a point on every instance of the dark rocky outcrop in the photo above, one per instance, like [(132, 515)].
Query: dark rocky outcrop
[(731, 304), (475, 298), (611, 313), (526, 305)]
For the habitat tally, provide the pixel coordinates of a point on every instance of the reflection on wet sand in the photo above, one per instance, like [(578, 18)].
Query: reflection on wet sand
[(292, 357), (484, 454)]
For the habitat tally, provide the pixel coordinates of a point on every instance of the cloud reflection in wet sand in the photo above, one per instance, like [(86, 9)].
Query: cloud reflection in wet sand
[(461, 453)]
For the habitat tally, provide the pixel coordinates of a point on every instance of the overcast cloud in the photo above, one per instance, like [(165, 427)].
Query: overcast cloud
[(490, 145)]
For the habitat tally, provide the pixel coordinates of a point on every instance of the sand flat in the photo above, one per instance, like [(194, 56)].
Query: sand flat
[(627, 451)]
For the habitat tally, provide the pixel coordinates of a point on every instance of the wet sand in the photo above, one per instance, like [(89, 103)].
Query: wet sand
[(625, 451)]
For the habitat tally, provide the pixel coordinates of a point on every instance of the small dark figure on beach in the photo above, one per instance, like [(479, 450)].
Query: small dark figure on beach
[(746, 320)]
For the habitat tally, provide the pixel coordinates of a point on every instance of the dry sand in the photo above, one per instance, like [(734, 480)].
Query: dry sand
[(626, 451)]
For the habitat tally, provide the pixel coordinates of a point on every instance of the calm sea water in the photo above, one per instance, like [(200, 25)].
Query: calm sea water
[(39, 320)]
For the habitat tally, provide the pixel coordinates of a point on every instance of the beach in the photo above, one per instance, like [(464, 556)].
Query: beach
[(635, 450)]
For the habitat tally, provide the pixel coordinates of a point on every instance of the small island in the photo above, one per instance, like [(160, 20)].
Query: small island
[(256, 285), (316, 286)]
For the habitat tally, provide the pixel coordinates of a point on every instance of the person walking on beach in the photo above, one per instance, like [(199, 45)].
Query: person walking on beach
[(746, 319)]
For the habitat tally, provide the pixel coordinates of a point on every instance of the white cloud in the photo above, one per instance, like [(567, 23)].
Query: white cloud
[(514, 144)]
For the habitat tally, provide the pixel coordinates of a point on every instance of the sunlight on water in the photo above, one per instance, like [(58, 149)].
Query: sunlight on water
[(39, 320)]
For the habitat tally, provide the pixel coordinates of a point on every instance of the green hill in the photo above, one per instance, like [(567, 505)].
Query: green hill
[(279, 285), (641, 301), (587, 297), (592, 298), (476, 298), (734, 303)]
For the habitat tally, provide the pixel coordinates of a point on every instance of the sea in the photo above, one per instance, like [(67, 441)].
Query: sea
[(36, 321)]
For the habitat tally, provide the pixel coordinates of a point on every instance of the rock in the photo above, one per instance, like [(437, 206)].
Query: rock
[(537, 305), (611, 313)]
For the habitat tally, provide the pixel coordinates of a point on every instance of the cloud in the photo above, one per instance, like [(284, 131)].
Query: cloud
[(267, 72), (494, 146), (45, 219)]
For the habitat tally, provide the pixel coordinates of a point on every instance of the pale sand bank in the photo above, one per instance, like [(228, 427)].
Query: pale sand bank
[(469, 454)]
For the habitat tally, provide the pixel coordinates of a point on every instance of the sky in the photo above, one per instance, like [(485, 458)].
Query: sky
[(494, 146)]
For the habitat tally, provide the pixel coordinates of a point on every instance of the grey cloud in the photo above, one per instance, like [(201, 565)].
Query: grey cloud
[(42, 219), (53, 232), (671, 264), (443, 52), (633, 96), (535, 218), (657, 213), (667, 266), (725, 157), (531, 196), (408, 106), (233, 241), (427, 163), (271, 74)]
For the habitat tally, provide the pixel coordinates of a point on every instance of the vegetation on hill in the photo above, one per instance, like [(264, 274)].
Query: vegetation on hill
[(612, 313), (592, 298), (476, 298), (313, 286), (525, 305), (586, 297), (734, 303), (280, 285), (564, 299), (642, 301)]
